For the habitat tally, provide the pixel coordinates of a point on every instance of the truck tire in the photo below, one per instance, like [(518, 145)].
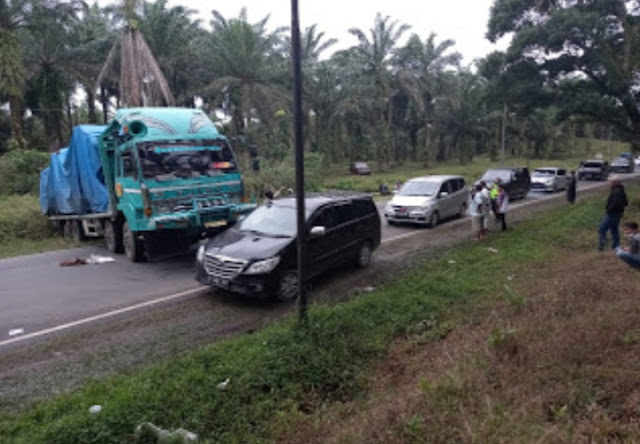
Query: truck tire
[(133, 247), (77, 231), (113, 236)]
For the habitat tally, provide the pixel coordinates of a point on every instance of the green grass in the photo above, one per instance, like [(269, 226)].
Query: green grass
[(338, 176), (289, 369), (23, 228)]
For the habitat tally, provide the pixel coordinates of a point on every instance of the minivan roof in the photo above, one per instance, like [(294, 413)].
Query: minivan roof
[(316, 200), (434, 178)]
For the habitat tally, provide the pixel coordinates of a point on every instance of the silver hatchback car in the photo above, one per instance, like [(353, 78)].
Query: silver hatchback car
[(427, 200)]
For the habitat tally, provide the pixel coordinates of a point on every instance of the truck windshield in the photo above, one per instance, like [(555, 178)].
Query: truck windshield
[(185, 159)]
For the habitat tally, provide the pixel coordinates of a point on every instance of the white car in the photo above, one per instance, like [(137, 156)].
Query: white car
[(427, 200), (549, 179)]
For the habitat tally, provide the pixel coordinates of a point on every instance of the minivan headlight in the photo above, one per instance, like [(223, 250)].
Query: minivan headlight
[(264, 266), (200, 254)]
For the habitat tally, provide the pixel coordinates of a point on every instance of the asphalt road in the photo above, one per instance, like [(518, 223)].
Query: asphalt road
[(39, 297)]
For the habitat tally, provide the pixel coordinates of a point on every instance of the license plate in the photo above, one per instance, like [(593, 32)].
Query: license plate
[(219, 282), (215, 223)]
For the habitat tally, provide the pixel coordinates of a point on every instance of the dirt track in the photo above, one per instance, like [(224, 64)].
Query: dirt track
[(64, 362)]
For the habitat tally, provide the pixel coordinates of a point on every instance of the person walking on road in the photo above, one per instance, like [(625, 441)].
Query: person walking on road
[(614, 209), (571, 188), (502, 204), (631, 254)]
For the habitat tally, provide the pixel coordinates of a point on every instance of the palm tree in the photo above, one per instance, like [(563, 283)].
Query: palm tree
[(374, 57), (171, 34), (243, 59), (420, 71), (141, 79), (13, 15), (90, 40), (47, 45)]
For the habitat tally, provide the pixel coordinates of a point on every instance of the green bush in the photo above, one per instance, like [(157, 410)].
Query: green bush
[(20, 218), (20, 171)]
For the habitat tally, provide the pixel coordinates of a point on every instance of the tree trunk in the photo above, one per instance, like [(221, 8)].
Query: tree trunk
[(15, 106)]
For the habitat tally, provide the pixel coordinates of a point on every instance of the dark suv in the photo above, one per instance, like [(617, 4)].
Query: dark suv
[(596, 169), (258, 255), (516, 180)]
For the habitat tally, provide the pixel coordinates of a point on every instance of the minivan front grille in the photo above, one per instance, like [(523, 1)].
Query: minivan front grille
[(223, 267)]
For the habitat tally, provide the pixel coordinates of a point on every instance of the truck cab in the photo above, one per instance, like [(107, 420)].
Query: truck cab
[(172, 178)]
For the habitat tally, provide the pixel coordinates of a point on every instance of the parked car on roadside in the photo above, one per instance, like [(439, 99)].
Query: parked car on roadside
[(622, 164), (516, 180), (549, 179), (428, 200), (360, 168), (258, 254), (594, 169)]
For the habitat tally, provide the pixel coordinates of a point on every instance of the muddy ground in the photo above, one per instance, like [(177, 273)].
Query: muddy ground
[(64, 361)]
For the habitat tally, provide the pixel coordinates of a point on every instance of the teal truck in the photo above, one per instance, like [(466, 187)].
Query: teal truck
[(151, 182)]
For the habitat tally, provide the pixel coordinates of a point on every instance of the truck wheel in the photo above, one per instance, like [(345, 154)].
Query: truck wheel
[(133, 247), (66, 229), (113, 237), (287, 290), (77, 231)]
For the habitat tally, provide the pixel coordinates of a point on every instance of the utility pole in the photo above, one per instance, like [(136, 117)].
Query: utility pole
[(299, 149)]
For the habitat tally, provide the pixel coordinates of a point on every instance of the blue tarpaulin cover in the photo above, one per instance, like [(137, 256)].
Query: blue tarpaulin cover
[(74, 183)]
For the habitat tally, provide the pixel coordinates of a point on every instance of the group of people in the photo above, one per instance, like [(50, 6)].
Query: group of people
[(614, 210), (486, 201)]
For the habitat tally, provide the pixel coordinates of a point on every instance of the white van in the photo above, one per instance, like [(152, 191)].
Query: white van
[(428, 200)]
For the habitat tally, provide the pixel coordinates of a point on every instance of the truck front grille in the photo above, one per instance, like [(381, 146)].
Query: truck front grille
[(222, 266)]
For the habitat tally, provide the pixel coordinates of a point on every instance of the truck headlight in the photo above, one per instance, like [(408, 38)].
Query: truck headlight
[(264, 266), (200, 254)]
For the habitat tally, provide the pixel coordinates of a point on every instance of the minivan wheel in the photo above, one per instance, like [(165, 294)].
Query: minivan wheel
[(434, 219), (463, 210), (364, 255), (287, 290)]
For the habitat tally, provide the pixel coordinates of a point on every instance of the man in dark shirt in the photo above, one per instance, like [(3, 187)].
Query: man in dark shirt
[(613, 213)]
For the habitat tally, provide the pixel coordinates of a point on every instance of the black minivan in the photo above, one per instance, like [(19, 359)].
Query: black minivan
[(258, 254)]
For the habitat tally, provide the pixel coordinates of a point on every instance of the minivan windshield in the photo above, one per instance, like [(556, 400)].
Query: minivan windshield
[(544, 172), (271, 220), (419, 188), (593, 164)]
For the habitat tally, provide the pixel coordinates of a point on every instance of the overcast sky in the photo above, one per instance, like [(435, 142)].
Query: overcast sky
[(464, 21)]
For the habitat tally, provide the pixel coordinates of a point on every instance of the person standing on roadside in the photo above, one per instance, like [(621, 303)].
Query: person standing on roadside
[(571, 188), (486, 204), (502, 204), (614, 209), (477, 210), (493, 195), (631, 254)]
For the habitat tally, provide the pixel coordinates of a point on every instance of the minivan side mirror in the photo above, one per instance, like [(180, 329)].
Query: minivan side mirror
[(317, 232), (443, 194)]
